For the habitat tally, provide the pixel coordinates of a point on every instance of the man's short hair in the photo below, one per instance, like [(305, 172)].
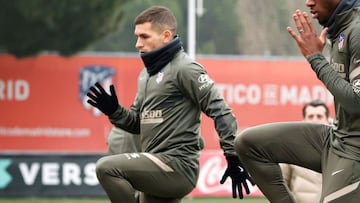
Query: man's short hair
[(160, 17), (316, 103)]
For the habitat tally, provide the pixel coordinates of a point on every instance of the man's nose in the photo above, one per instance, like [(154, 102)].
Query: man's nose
[(138, 44)]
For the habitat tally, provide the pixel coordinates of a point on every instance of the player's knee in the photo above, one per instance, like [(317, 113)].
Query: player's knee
[(243, 142), (101, 167)]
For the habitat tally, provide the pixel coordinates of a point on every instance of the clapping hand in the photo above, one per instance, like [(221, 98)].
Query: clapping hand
[(307, 39)]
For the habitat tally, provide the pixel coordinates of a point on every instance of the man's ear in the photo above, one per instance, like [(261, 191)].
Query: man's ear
[(167, 36)]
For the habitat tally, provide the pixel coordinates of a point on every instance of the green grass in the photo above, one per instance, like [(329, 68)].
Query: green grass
[(102, 200), (225, 200)]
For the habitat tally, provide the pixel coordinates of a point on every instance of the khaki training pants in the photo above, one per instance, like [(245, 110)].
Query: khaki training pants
[(120, 175), (262, 147)]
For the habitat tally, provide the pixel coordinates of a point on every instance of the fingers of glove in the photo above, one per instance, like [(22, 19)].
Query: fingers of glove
[(222, 181), (251, 180), (100, 88), (240, 191), (234, 186), (247, 190), (92, 103), (112, 90), (91, 96), (94, 91)]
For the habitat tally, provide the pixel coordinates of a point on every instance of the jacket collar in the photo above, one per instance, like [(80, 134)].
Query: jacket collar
[(155, 60), (343, 6)]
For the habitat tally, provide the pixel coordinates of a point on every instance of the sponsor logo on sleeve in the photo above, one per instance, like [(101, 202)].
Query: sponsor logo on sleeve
[(204, 81), (356, 86)]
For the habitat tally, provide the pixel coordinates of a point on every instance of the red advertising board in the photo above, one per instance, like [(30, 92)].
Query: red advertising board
[(43, 99), (43, 105), (212, 167), (262, 91)]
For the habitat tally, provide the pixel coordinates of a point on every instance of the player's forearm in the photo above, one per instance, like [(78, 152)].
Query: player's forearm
[(126, 120), (339, 87), (227, 129)]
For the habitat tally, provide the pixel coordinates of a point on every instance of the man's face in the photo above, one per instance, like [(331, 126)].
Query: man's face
[(322, 9), (316, 115), (149, 39)]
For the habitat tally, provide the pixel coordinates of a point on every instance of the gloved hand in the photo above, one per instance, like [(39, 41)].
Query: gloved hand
[(238, 176), (103, 101)]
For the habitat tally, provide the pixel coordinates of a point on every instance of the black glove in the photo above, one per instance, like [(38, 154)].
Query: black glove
[(238, 175), (100, 99)]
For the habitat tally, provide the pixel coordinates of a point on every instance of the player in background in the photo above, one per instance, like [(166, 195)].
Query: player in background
[(119, 141)]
